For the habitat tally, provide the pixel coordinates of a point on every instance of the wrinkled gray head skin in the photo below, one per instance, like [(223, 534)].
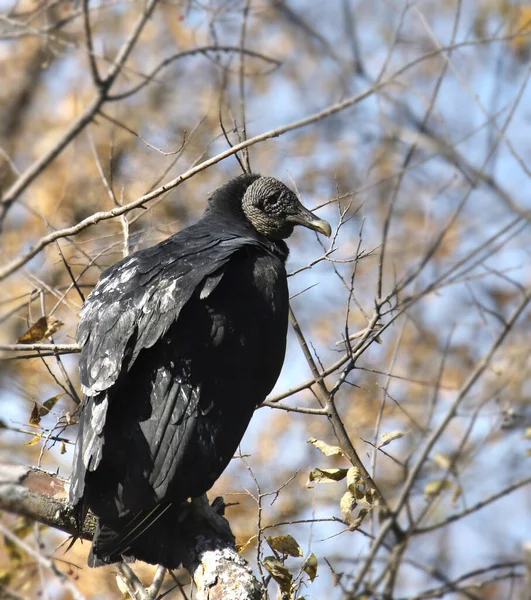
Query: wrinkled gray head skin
[(274, 210)]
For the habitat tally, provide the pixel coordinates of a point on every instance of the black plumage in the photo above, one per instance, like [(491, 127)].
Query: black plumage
[(180, 343)]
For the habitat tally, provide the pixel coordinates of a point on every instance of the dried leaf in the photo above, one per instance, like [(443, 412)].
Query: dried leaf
[(353, 479), (355, 523), (40, 330), (63, 448), (387, 438), (47, 405), (243, 547), (279, 573), (347, 504), (35, 418), (442, 460), (326, 475), (34, 439), (527, 434), (310, 566), (325, 448), (435, 486), (371, 497), (285, 544), (41, 411)]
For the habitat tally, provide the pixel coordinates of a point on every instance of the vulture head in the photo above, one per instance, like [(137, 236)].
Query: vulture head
[(274, 210)]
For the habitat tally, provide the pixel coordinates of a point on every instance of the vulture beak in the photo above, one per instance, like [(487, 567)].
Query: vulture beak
[(307, 219)]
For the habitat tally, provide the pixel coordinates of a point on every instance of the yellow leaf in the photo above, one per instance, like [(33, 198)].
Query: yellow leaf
[(243, 547), (325, 448), (436, 486), (34, 439), (285, 544), (41, 329), (310, 566), (442, 460), (326, 475), (63, 448)]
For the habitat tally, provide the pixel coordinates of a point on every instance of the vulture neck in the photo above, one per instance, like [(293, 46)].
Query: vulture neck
[(225, 208)]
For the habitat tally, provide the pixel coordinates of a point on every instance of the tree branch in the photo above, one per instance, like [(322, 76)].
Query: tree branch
[(216, 567)]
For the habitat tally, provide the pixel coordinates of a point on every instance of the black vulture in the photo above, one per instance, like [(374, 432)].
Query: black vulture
[(180, 343)]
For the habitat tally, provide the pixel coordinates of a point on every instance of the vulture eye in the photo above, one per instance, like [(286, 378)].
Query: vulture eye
[(272, 204)]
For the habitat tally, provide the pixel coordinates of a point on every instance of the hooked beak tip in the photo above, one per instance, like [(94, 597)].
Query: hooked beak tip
[(321, 226), (308, 219)]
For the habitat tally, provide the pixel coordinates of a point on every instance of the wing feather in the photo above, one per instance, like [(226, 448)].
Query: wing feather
[(133, 305), (145, 292)]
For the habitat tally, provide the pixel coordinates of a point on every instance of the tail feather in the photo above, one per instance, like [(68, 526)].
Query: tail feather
[(156, 537)]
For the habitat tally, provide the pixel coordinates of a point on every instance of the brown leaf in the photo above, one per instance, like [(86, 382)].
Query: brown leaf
[(285, 544), (41, 329)]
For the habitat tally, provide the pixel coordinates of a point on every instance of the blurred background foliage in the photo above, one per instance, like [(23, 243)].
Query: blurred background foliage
[(434, 162)]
